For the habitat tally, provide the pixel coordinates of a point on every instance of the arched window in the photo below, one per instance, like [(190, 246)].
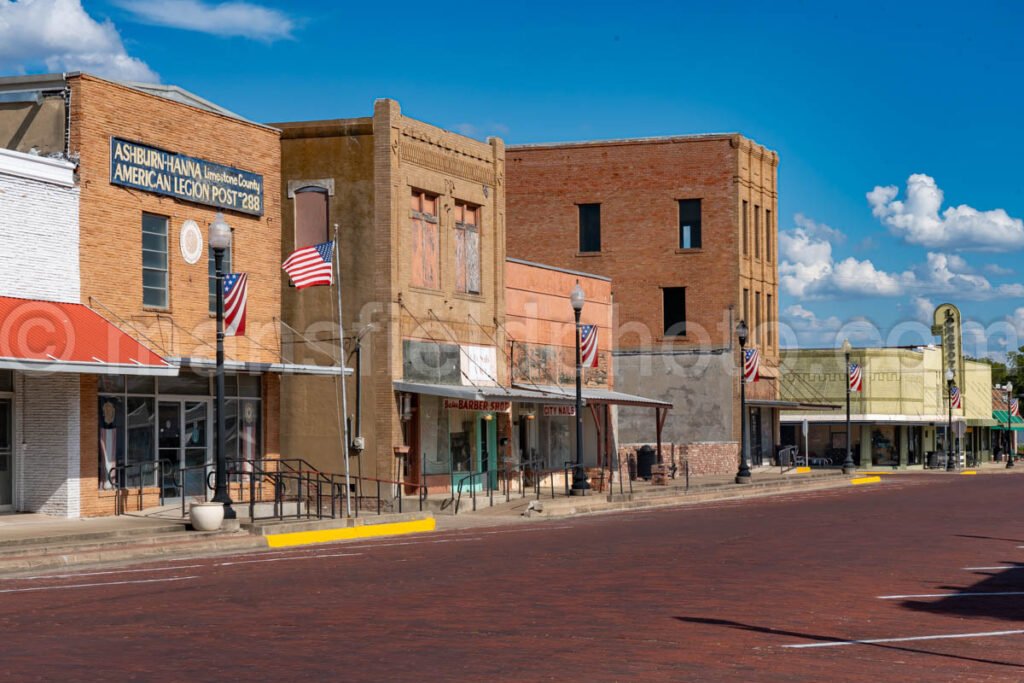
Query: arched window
[(310, 217)]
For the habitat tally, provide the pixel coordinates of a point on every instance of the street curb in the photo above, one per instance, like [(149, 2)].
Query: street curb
[(347, 533)]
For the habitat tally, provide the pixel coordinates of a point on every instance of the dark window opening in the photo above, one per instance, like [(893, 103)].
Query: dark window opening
[(689, 224), (590, 228), (674, 311)]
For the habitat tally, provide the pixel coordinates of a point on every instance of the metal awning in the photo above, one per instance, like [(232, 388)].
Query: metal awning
[(51, 336), (497, 393), (247, 368), (596, 395), (789, 405), (1016, 423)]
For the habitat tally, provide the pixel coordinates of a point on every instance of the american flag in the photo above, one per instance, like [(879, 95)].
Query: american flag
[(588, 345), (954, 397), (856, 378), (311, 266), (236, 292), (1015, 407), (751, 365)]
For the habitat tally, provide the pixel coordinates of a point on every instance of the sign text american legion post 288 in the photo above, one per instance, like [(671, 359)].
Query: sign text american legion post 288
[(175, 175)]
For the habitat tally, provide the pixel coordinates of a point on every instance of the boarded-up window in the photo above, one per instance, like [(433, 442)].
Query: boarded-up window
[(467, 248), (426, 249), (310, 217)]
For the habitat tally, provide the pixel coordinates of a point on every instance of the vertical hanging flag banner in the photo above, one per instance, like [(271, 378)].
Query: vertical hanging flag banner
[(588, 345), (856, 378), (954, 397), (1015, 407), (752, 365), (311, 266), (236, 293)]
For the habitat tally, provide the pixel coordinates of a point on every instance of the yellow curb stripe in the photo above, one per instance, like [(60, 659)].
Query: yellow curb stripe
[(346, 533), (802, 470), (865, 480), (875, 474), (968, 472)]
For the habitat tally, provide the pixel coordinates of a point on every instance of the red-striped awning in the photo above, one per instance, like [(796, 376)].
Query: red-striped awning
[(58, 337)]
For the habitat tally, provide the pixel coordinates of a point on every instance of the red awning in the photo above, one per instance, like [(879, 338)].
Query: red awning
[(57, 337)]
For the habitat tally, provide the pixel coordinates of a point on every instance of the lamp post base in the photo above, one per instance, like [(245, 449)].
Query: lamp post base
[(849, 469), (743, 478), (1009, 462)]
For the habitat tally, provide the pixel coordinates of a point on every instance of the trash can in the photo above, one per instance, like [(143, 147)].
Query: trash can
[(933, 459), (645, 459)]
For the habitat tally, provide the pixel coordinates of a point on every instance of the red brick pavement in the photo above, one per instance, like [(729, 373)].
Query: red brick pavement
[(706, 593)]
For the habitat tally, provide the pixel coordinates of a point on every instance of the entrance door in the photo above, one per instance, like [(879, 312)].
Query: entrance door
[(184, 445), (487, 448), (754, 433), (6, 455)]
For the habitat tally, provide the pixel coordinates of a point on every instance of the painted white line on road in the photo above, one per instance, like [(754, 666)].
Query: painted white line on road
[(387, 545), (950, 595), (115, 571), (1002, 566), (286, 559), (872, 641), (94, 585)]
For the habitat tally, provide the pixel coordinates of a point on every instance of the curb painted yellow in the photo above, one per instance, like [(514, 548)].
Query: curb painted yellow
[(347, 533), (968, 472), (875, 474), (803, 470), (865, 480)]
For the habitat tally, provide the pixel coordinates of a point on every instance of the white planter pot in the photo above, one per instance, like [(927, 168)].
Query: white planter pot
[(206, 516)]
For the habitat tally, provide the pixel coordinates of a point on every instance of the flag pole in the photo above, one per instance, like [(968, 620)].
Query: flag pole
[(344, 393)]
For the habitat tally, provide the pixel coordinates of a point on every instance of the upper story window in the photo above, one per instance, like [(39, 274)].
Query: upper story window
[(426, 246), (154, 261), (768, 235), (213, 274), (590, 228), (467, 248), (674, 311), (689, 224), (757, 231), (746, 228), (311, 217)]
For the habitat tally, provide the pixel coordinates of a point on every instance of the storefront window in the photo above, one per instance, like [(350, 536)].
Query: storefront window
[(885, 445), (557, 432), (434, 434), (461, 440), (6, 380), (141, 420), (112, 438)]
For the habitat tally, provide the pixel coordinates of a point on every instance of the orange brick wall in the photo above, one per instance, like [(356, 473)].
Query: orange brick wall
[(111, 219)]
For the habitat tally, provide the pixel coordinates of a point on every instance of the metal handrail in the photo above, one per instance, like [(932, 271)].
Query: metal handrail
[(117, 485)]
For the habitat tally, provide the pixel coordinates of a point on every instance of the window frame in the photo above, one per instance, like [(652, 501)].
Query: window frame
[(694, 243), (166, 270), (580, 208), (466, 229), (665, 325), (311, 189)]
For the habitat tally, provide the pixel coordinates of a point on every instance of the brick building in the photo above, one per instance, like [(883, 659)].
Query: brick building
[(427, 305), (686, 229), (108, 326)]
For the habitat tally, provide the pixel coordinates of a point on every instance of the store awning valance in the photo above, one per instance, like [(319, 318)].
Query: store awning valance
[(789, 405), (1016, 424), (471, 393), (48, 336), (250, 368)]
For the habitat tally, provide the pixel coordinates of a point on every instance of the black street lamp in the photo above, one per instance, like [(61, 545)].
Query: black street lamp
[(743, 474), (579, 478), (1009, 421), (220, 239), (950, 438), (848, 466)]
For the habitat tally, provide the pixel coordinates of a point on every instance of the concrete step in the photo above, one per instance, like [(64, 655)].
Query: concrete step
[(117, 551), (126, 532)]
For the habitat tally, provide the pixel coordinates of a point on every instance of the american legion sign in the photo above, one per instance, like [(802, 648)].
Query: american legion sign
[(176, 175)]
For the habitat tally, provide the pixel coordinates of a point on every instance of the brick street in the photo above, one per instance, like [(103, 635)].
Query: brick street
[(709, 593)]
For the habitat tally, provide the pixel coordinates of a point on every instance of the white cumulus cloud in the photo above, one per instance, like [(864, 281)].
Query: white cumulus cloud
[(919, 218), (61, 36), (227, 19)]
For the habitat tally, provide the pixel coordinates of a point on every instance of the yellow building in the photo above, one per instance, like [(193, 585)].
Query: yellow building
[(901, 416)]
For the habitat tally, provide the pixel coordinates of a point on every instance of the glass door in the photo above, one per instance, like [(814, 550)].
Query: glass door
[(6, 455), (184, 445)]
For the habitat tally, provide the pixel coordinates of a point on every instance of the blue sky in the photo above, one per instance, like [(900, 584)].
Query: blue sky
[(854, 97)]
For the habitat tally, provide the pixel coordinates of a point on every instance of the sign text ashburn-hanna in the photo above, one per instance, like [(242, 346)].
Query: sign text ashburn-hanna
[(176, 175)]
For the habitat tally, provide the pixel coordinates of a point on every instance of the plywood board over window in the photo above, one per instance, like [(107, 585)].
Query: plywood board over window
[(467, 248), (310, 217), (426, 246)]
